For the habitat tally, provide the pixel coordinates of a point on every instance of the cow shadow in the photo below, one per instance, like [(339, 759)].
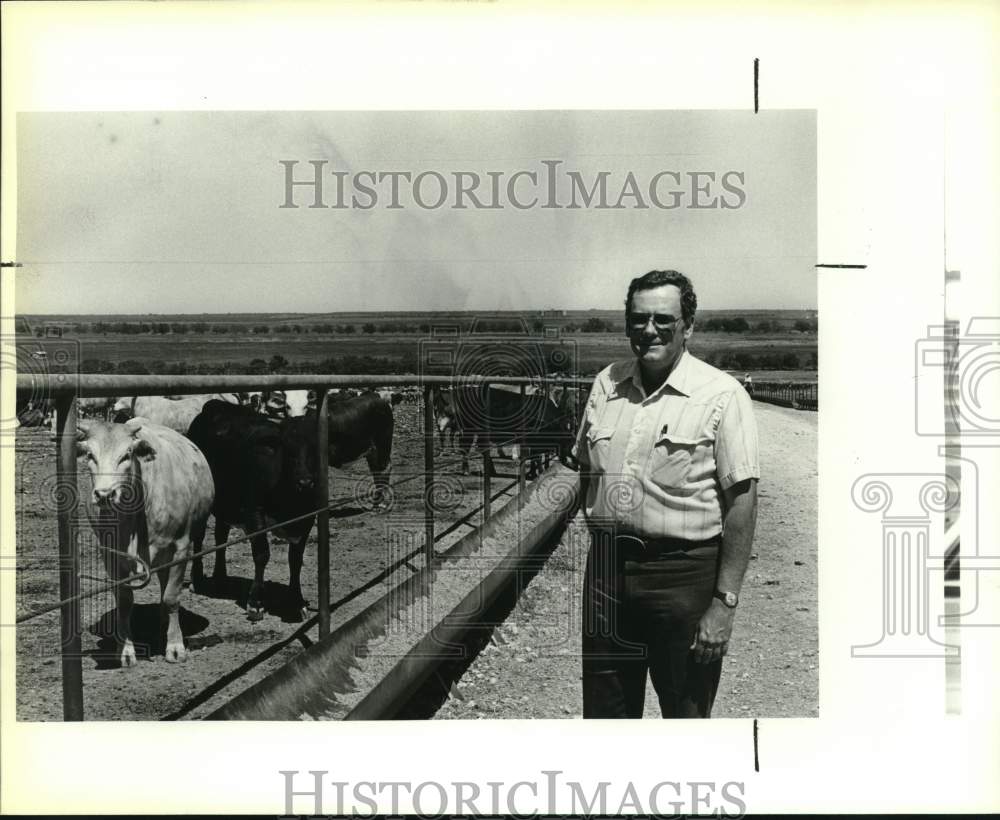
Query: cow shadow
[(348, 512), (148, 634), (236, 588)]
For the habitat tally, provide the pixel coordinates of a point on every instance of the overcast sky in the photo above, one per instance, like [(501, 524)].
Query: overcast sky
[(179, 212)]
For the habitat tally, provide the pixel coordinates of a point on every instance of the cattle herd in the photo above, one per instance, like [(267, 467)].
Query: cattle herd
[(540, 423), (160, 465)]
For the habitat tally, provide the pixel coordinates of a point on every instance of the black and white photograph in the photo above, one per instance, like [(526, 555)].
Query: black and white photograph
[(415, 408), (560, 339)]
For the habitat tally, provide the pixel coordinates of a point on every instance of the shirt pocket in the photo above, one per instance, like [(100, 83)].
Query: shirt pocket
[(599, 447), (671, 460)]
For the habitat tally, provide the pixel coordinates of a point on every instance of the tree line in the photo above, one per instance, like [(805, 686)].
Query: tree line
[(594, 324), (343, 365), (407, 362)]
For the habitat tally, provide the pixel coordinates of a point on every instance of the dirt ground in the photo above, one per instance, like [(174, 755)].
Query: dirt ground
[(771, 670), (531, 666), (227, 653)]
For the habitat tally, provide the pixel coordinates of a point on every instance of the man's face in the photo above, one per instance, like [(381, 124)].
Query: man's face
[(658, 348)]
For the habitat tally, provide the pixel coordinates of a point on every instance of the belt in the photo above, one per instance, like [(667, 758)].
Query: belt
[(631, 543)]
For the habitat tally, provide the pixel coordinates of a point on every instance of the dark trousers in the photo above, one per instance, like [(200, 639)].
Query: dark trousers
[(641, 608)]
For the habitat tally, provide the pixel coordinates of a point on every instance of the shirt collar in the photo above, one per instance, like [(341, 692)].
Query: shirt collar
[(677, 380)]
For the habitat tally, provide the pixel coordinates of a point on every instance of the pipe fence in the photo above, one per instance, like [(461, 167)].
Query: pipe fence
[(798, 395), (66, 389)]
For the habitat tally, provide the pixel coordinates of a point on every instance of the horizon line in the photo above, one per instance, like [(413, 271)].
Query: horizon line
[(406, 312)]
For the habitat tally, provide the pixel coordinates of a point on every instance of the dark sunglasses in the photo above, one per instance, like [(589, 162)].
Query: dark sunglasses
[(661, 321)]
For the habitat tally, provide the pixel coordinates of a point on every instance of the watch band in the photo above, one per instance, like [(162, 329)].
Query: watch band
[(730, 599)]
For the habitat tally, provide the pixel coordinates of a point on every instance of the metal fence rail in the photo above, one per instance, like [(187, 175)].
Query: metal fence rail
[(66, 388), (88, 385)]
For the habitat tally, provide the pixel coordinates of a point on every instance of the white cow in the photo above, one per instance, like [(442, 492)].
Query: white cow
[(152, 493), (299, 402), (391, 396), (175, 412), (281, 404)]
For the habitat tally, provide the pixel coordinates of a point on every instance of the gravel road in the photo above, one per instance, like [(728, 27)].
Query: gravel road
[(531, 666)]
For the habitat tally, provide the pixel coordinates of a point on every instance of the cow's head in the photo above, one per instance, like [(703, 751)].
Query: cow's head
[(262, 455), (301, 458), (273, 404), (288, 404), (299, 402), (110, 451)]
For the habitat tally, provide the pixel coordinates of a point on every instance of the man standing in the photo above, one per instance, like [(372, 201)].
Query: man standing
[(669, 468)]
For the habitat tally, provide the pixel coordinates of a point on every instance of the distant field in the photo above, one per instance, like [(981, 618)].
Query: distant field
[(780, 351), (784, 319)]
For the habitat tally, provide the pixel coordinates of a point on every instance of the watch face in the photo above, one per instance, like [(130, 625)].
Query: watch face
[(730, 599)]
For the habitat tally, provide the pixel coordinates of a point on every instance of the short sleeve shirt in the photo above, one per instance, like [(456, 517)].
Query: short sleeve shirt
[(660, 462)]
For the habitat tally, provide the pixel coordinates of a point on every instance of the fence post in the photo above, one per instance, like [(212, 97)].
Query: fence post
[(486, 457), (323, 516), (574, 408), (428, 476), (69, 558), (521, 449)]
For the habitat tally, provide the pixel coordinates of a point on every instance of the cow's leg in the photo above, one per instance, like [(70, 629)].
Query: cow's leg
[(379, 459), (261, 556), (124, 632), (221, 535), (531, 456), (381, 479), (118, 567), (296, 550), (171, 580), (464, 446), (197, 544)]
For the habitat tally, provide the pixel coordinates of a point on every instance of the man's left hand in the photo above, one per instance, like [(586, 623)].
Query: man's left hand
[(711, 638)]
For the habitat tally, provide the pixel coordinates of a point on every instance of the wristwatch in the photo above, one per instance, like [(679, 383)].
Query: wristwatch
[(730, 599)]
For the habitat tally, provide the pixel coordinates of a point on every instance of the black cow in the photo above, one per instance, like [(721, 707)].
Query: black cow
[(540, 425), (362, 426), (264, 473)]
